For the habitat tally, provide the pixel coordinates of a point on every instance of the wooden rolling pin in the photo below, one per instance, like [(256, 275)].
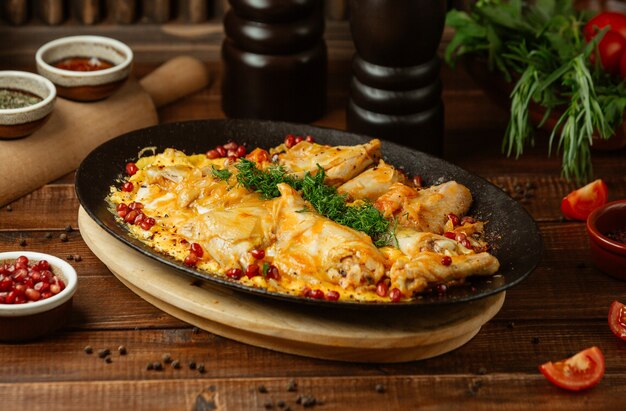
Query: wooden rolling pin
[(75, 128)]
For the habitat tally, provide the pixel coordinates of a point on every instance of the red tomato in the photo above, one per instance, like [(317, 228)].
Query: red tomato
[(617, 21), (583, 370), (578, 204), (617, 319), (611, 49)]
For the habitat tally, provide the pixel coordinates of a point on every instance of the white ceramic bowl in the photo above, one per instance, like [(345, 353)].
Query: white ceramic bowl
[(20, 122), (20, 322), (85, 85)]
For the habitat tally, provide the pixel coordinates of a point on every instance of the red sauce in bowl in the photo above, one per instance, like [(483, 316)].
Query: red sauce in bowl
[(83, 64)]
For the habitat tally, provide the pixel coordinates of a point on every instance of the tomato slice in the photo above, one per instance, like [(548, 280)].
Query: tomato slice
[(617, 319), (579, 372), (578, 204)]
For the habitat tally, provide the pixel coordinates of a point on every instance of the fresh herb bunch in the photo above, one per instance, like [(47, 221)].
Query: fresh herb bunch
[(324, 198), (540, 46)]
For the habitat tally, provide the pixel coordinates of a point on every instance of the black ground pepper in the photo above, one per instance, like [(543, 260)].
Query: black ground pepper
[(292, 385), (104, 352), (192, 365), (380, 388), (262, 389), (122, 350), (63, 237), (88, 349)]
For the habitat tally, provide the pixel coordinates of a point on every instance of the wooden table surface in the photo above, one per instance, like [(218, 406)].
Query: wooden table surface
[(560, 309)]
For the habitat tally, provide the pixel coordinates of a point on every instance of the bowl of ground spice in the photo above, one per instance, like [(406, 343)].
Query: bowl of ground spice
[(36, 292), (85, 68), (26, 102), (607, 231)]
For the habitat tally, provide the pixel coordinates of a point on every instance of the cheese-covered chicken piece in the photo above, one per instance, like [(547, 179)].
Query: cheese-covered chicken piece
[(341, 163), (419, 261), (427, 209), (317, 249), (372, 183)]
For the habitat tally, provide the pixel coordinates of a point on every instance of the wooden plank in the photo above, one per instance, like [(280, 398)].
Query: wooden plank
[(87, 12), (157, 11), (194, 11), (496, 392), (124, 11), (15, 11), (497, 349), (52, 12)]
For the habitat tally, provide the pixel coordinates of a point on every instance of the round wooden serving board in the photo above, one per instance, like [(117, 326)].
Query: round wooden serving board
[(345, 335)]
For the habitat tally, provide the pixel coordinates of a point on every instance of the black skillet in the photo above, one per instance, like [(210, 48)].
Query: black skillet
[(511, 231)]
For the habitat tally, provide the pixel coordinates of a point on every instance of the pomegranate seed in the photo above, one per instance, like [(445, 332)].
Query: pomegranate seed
[(221, 151), (46, 275), (60, 283), (19, 289), (234, 273), (20, 299), (450, 235), (310, 139), (454, 218), (232, 159), (258, 253), (147, 223), (252, 271), (131, 169), (55, 288), (212, 154), (121, 207), (135, 205), (29, 282), (466, 243), (196, 249), (6, 284), (191, 260), (332, 295), (460, 237), (395, 295), (290, 140), (22, 260), (315, 294), (441, 288), (382, 288), (298, 139), (272, 272), (20, 275), (32, 294), (241, 151), (122, 213), (42, 265), (35, 276), (139, 218), (46, 294), (231, 145), (467, 220), (41, 286), (232, 153), (128, 187), (10, 298), (446, 260), (130, 217)]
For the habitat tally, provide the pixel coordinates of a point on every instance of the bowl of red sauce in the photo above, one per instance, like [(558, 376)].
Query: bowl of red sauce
[(607, 233), (26, 103), (36, 292), (85, 68)]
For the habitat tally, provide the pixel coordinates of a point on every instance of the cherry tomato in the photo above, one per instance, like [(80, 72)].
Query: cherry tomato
[(617, 319), (578, 204), (582, 371), (611, 49), (617, 21)]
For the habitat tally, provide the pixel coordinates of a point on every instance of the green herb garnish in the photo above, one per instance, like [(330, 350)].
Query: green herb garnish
[(324, 198), (540, 46), (221, 174)]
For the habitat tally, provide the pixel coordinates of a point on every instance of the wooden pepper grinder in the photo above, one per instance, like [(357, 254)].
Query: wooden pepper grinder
[(274, 59), (395, 91)]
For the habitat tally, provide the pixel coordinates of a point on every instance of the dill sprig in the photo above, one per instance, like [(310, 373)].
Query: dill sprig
[(220, 174), (324, 198), (540, 46)]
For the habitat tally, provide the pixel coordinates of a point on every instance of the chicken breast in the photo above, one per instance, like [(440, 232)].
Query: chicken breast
[(312, 246), (427, 209), (341, 163), (372, 183)]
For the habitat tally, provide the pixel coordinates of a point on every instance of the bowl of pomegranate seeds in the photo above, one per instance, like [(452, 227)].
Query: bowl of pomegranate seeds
[(606, 226), (36, 293)]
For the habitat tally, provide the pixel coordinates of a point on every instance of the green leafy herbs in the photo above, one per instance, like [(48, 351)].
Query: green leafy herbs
[(220, 174), (541, 47), (325, 199)]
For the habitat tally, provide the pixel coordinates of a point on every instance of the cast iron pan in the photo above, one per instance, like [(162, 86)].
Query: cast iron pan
[(511, 231)]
